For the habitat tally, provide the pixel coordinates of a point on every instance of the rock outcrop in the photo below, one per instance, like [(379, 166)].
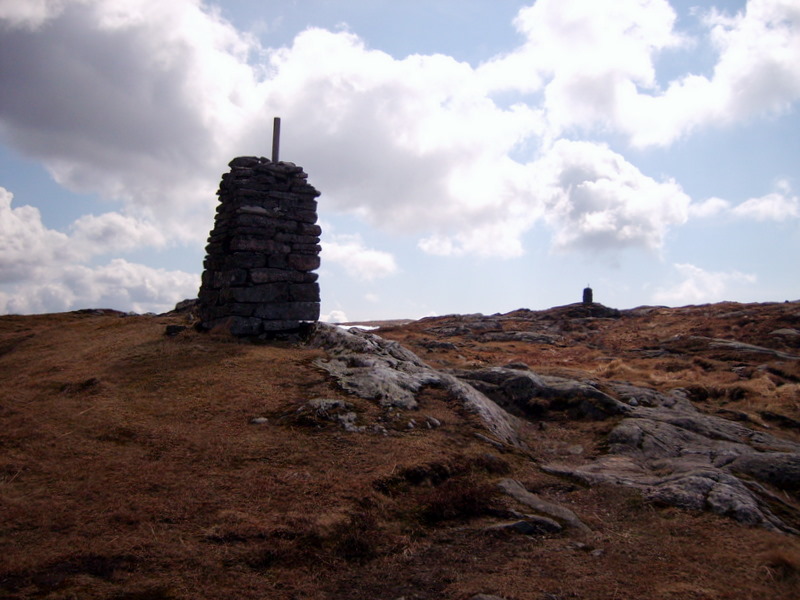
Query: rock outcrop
[(377, 369), (663, 445), (527, 394), (722, 438)]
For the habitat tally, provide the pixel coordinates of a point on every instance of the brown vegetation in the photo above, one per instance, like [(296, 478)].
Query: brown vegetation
[(131, 467)]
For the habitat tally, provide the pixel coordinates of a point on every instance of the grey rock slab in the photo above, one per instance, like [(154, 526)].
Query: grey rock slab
[(717, 491), (525, 393), (528, 337), (591, 401), (646, 397), (695, 462), (531, 525), (432, 422), (742, 347), (781, 420), (786, 332), (652, 440), (668, 449), (326, 405), (498, 421), (780, 469), (710, 427), (384, 371), (610, 469), (517, 491)]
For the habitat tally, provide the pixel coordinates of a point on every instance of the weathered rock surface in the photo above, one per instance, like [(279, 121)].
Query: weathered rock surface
[(520, 326), (681, 457), (376, 369), (660, 443), (743, 348), (524, 393), (529, 525), (562, 514)]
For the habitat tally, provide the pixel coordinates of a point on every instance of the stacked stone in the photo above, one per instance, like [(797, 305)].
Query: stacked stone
[(258, 279)]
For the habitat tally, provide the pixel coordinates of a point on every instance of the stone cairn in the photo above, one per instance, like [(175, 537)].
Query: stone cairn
[(258, 279), (587, 295)]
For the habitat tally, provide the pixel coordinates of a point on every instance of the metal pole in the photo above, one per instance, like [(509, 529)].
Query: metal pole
[(276, 138)]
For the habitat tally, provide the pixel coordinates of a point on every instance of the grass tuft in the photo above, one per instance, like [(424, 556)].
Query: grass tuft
[(358, 539), (783, 564), (459, 499)]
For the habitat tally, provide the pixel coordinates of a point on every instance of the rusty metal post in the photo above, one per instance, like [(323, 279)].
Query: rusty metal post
[(276, 138)]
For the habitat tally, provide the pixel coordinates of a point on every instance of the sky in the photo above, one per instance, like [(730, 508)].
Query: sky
[(472, 156)]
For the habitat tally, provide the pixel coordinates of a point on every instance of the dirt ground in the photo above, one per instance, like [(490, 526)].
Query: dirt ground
[(131, 467)]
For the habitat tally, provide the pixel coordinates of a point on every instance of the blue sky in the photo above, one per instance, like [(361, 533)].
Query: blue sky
[(472, 156)]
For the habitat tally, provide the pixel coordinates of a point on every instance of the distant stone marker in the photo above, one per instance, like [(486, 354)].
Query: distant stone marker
[(587, 295), (258, 280)]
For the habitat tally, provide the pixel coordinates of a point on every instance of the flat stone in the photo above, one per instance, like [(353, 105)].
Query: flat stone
[(287, 311), (262, 294), (242, 326), (303, 262), (304, 292), (266, 275), (244, 161), (261, 245), (308, 229), (531, 525), (517, 491), (273, 325)]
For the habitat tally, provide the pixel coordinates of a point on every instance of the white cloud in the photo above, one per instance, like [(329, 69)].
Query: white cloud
[(758, 66), (710, 207), (594, 65), (41, 270), (780, 205), (27, 247), (586, 57), (777, 206), (358, 261), (25, 243), (335, 316), (415, 145), (395, 141), (501, 238), (137, 101), (144, 102), (114, 232), (758, 72), (120, 285), (596, 200), (700, 286), (29, 14), (125, 284), (590, 196)]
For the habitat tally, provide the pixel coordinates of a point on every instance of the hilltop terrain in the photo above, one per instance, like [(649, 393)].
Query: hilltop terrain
[(577, 452)]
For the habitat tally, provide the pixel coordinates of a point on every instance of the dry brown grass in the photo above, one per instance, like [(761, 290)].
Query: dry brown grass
[(129, 469), (783, 564)]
